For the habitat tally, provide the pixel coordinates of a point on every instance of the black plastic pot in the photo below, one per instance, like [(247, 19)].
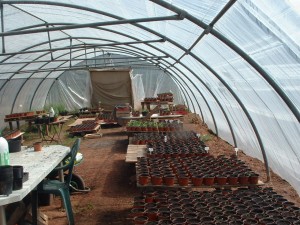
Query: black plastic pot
[(18, 172), (6, 180), (14, 145)]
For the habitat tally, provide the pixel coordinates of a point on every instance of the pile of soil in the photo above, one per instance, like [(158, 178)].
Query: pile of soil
[(112, 182)]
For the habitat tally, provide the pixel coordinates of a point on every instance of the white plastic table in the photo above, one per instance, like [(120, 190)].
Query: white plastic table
[(38, 165)]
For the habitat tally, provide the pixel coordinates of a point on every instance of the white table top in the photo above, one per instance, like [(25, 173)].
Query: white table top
[(38, 164)]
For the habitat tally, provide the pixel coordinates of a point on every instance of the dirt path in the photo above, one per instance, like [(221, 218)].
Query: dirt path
[(110, 179)]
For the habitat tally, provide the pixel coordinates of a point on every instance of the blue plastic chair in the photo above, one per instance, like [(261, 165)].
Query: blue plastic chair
[(56, 187)]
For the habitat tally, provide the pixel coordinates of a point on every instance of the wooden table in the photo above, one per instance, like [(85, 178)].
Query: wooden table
[(57, 128), (18, 119), (38, 165)]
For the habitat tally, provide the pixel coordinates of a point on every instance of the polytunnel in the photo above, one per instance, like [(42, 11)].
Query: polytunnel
[(235, 63)]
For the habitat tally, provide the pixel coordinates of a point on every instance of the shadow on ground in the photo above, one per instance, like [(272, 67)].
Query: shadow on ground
[(120, 181)]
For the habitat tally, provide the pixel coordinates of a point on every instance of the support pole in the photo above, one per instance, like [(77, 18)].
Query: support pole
[(2, 27)]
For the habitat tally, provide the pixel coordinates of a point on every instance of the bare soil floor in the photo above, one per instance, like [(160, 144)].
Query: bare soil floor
[(112, 181)]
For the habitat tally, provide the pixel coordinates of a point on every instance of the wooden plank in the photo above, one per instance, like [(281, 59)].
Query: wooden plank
[(135, 151), (79, 121), (93, 136)]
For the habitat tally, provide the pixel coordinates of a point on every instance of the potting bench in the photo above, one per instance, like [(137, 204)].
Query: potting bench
[(10, 121)]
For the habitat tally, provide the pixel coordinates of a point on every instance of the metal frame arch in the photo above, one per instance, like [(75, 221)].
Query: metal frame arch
[(144, 29), (101, 39), (181, 12), (239, 51), (173, 58), (172, 43), (194, 20)]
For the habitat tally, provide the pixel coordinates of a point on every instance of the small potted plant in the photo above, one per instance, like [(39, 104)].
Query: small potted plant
[(55, 117), (145, 112)]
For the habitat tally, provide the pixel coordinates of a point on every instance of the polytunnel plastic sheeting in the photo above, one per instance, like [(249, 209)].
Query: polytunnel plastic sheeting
[(8, 93), (137, 8), (72, 90), (137, 91), (25, 95), (259, 32), (261, 97), (204, 107), (206, 11), (242, 128), (214, 110), (156, 81), (41, 93), (183, 32), (262, 103), (73, 15), (170, 49), (41, 75)]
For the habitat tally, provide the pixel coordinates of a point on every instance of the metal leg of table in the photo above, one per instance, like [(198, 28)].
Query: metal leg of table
[(2, 215), (34, 206)]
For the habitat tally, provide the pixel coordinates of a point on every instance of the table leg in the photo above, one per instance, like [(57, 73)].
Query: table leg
[(62, 179), (2, 215), (18, 124), (10, 125), (34, 207)]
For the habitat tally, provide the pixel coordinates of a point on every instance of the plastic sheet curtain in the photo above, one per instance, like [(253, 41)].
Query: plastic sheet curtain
[(72, 89), (137, 91)]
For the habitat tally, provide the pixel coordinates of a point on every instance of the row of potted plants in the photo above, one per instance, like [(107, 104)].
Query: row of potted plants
[(167, 96), (168, 137), (164, 97), (82, 116), (200, 170), (176, 148), (242, 206), (151, 126), (17, 115)]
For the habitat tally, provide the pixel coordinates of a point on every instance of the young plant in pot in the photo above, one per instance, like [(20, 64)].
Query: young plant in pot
[(145, 112)]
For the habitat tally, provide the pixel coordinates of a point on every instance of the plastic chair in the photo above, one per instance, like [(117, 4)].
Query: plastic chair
[(56, 187)]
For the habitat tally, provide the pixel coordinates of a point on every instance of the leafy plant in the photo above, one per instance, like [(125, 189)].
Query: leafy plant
[(206, 137)]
